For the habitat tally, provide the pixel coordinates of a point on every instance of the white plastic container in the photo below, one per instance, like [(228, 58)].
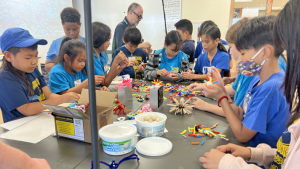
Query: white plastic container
[(118, 139), (154, 129)]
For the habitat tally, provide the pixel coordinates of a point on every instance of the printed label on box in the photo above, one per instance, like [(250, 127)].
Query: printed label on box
[(118, 147), (151, 131), (70, 127)]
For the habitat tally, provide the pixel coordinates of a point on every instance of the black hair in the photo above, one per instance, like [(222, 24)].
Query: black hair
[(205, 25), (101, 33), (70, 14), (174, 37), (6, 65), (287, 36), (214, 33), (71, 47), (132, 35), (256, 33), (133, 7), (184, 25)]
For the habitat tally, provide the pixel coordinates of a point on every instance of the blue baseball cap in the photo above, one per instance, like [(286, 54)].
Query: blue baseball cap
[(18, 37)]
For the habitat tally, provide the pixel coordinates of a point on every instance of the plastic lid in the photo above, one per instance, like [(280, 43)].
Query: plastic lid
[(154, 146), (119, 130)]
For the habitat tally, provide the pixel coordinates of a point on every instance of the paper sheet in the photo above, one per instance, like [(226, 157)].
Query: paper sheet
[(33, 131), (134, 123), (16, 123), (173, 13)]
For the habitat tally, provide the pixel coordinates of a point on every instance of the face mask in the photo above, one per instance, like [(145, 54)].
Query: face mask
[(249, 67)]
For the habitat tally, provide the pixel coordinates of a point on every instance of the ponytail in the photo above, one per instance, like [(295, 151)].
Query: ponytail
[(221, 47)]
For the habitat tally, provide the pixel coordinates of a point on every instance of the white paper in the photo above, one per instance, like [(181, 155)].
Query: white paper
[(134, 123), (16, 123), (250, 12), (173, 13), (33, 131)]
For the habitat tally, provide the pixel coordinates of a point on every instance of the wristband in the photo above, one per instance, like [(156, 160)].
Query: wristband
[(223, 97)]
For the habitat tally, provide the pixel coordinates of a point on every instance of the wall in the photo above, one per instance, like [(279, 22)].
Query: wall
[(202, 10), (260, 3)]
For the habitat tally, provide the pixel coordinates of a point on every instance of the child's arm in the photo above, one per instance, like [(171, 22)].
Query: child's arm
[(37, 107), (230, 91), (184, 66), (152, 67), (187, 75), (115, 69), (202, 105), (14, 159)]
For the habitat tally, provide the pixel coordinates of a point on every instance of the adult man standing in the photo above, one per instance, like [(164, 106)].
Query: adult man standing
[(133, 18)]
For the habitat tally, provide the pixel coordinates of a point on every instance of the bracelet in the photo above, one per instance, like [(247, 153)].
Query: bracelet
[(223, 97)]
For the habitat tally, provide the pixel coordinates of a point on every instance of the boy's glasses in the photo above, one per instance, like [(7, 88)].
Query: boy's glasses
[(139, 16)]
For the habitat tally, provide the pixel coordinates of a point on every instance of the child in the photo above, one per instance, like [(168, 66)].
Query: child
[(185, 28), (70, 19), (238, 89), (132, 38), (216, 55), (168, 62), (263, 113), (67, 76), (286, 34), (23, 90), (101, 38)]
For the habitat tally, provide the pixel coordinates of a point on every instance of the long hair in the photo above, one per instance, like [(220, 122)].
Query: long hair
[(214, 33), (287, 36)]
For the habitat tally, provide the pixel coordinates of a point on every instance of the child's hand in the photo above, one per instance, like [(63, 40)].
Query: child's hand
[(148, 51), (174, 76), (189, 71), (195, 86), (213, 91), (120, 57), (199, 104), (228, 80), (162, 72), (141, 67), (99, 79), (123, 64), (235, 150), (187, 75), (145, 45), (67, 97), (36, 163), (131, 62), (104, 88), (212, 159)]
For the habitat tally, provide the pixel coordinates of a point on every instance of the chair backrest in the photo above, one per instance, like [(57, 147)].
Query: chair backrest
[(1, 118)]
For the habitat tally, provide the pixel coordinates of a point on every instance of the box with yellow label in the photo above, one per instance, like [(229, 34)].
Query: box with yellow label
[(75, 124)]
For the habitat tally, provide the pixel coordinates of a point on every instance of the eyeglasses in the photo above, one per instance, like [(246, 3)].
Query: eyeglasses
[(139, 16)]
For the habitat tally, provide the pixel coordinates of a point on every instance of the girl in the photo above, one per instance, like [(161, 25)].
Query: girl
[(168, 62), (23, 89), (238, 89), (101, 38), (66, 75), (216, 55), (287, 35)]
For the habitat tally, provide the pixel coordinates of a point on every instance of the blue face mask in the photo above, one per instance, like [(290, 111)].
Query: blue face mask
[(249, 67)]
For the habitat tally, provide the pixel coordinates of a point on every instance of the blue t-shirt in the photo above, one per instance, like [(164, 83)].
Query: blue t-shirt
[(171, 65), (54, 48), (240, 86), (140, 56), (282, 63), (188, 47), (14, 92), (220, 61), (266, 110), (100, 63), (61, 80), (199, 49)]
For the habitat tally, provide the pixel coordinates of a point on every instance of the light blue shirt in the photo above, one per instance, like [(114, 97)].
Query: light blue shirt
[(99, 63), (220, 61), (240, 86), (171, 65), (266, 110), (55, 46), (61, 80)]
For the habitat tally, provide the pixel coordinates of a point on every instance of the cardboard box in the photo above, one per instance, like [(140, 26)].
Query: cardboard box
[(75, 124)]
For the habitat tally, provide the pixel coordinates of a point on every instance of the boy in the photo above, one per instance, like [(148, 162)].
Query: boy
[(263, 113), (23, 89), (70, 19), (185, 28), (132, 38)]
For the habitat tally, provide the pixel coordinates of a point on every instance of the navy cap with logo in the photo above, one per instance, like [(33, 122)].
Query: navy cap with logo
[(18, 37)]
